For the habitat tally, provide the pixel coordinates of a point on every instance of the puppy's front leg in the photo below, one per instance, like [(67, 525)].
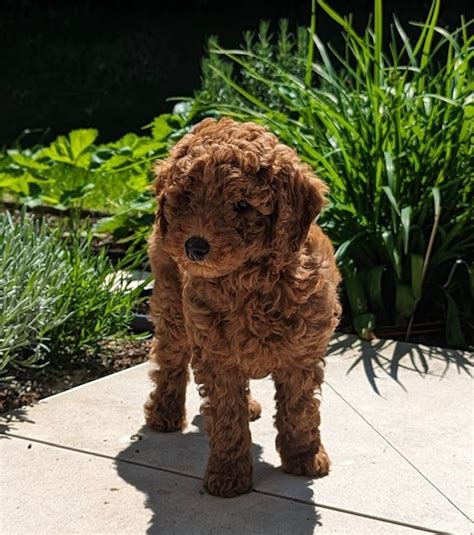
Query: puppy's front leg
[(297, 421), (165, 407), (229, 469)]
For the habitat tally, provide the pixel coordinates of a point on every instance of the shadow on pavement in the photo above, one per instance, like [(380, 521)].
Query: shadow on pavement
[(388, 357), (9, 419), (180, 505)]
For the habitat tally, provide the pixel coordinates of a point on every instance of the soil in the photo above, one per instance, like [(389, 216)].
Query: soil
[(30, 386)]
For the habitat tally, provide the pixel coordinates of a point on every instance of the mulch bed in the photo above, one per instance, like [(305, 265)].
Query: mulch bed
[(30, 386)]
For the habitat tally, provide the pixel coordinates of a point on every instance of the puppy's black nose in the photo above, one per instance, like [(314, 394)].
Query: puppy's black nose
[(196, 248)]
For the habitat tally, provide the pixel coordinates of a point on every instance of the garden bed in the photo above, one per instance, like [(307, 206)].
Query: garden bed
[(29, 386), (387, 132)]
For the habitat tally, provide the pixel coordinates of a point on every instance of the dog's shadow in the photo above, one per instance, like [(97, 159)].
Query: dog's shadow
[(167, 468)]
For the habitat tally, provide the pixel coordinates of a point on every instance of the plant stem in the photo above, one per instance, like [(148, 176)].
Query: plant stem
[(437, 215)]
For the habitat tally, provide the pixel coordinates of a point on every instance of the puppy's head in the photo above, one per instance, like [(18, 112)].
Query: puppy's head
[(230, 194)]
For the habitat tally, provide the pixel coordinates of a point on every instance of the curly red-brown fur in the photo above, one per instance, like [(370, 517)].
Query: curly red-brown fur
[(263, 300)]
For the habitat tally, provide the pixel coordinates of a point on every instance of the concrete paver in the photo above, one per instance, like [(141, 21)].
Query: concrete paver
[(377, 470), (48, 490), (421, 401)]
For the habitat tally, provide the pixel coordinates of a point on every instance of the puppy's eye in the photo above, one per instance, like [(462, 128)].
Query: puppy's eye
[(241, 206)]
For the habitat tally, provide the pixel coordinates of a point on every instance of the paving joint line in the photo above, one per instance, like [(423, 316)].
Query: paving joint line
[(256, 491), (398, 451)]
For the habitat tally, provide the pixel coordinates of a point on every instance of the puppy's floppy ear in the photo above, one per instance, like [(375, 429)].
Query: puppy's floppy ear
[(162, 171), (299, 199), (307, 198)]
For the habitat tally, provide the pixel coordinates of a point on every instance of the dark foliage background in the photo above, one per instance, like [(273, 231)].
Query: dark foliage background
[(111, 65)]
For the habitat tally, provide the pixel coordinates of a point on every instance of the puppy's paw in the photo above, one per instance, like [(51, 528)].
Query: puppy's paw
[(307, 464), (255, 410), (160, 419), (228, 479)]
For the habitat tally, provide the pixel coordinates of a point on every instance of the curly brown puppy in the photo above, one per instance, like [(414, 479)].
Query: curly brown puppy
[(245, 286)]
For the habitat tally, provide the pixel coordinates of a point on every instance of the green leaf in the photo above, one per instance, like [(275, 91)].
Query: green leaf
[(416, 275), (405, 217), (15, 184), (405, 301), (24, 160), (74, 149), (471, 279), (58, 151), (80, 141), (390, 169), (374, 286), (344, 248), (454, 334), (160, 128), (354, 285), (139, 182), (391, 197), (115, 162), (392, 252), (68, 197)]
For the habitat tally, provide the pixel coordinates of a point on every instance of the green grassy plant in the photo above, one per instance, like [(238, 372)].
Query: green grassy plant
[(56, 298), (389, 125)]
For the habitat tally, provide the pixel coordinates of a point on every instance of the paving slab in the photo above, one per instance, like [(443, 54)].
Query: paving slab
[(420, 399), (368, 477), (48, 489)]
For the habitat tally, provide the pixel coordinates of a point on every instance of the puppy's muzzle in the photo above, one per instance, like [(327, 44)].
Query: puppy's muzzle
[(196, 248)]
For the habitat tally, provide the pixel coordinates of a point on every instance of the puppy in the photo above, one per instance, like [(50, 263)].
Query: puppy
[(245, 286)]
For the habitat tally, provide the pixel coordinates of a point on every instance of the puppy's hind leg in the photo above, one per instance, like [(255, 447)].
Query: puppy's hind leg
[(255, 409)]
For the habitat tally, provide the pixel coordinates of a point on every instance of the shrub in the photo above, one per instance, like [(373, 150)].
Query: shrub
[(391, 132), (75, 172), (56, 298)]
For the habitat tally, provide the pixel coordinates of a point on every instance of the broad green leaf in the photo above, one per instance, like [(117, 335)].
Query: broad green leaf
[(24, 160), (139, 182), (149, 147), (115, 162), (80, 141), (416, 275), (15, 184), (405, 301), (344, 248), (58, 151), (454, 333), (354, 285), (160, 128), (73, 149), (111, 224), (69, 197), (374, 287), (128, 140)]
